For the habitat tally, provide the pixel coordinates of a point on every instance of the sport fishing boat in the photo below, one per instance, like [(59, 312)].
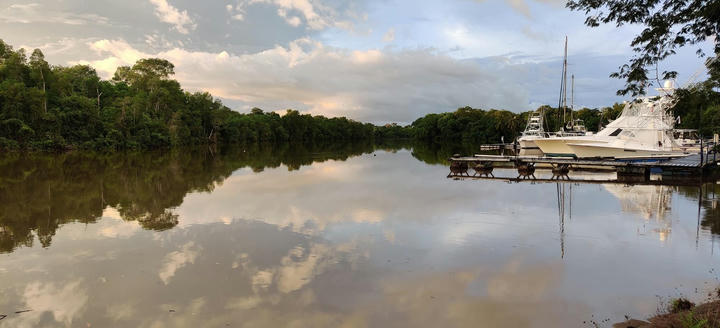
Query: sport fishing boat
[(644, 130), (533, 130)]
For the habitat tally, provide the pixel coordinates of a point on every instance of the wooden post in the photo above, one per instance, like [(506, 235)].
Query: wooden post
[(701, 151)]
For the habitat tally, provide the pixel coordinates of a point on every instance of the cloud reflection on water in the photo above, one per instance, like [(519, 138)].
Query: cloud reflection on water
[(374, 241)]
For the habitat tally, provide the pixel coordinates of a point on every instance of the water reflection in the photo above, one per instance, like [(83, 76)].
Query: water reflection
[(564, 192), (708, 211), (651, 203), (356, 236), (40, 192)]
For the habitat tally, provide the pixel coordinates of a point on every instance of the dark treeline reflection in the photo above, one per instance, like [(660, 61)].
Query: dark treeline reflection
[(40, 192), (440, 153), (709, 205)]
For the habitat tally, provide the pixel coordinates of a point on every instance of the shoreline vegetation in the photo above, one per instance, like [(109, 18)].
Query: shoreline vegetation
[(681, 313), (57, 108)]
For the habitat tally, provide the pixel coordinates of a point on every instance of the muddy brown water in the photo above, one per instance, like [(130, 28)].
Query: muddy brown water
[(351, 236)]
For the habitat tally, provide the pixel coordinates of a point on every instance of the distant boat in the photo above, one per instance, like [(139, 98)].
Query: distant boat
[(533, 130)]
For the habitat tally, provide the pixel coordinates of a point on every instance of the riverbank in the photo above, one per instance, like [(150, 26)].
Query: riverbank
[(681, 314)]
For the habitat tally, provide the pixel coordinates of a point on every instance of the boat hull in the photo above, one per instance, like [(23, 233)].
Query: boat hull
[(528, 146), (558, 147), (528, 143), (554, 147), (602, 151)]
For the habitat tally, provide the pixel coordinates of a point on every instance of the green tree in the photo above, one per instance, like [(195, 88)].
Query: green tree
[(40, 69), (669, 25)]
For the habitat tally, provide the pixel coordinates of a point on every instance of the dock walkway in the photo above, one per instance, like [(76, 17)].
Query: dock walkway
[(692, 164), (690, 161)]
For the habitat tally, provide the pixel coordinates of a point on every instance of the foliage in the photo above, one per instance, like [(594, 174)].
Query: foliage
[(689, 320), (47, 107), (56, 108), (471, 125), (669, 25), (680, 304), (699, 108)]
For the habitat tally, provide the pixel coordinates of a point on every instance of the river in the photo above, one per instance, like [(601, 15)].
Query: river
[(353, 235)]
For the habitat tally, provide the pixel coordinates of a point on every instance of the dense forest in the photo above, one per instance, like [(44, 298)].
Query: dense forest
[(55, 108)]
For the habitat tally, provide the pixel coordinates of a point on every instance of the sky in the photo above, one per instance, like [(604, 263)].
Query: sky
[(377, 60)]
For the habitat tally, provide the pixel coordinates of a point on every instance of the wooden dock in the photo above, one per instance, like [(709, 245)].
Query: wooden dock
[(695, 165)]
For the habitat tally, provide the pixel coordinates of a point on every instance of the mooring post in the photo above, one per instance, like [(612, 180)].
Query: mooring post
[(702, 152)]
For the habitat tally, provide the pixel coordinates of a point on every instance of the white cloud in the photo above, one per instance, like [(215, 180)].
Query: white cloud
[(35, 13), (59, 46), (389, 36), (158, 41), (294, 273), (64, 303), (293, 20), (178, 259), (369, 85), (180, 20), (122, 54), (317, 15)]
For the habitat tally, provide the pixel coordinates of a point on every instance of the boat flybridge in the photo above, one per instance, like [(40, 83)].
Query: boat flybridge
[(533, 130), (644, 130)]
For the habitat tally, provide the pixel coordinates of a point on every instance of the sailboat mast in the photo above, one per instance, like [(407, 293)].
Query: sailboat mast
[(572, 96), (565, 82)]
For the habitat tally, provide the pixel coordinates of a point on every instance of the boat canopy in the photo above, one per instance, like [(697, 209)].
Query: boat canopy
[(643, 114)]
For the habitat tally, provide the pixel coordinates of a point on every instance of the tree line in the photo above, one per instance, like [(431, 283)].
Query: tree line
[(48, 107), (697, 107), (55, 108), (492, 126)]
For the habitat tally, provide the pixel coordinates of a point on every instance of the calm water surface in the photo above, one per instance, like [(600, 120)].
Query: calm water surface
[(347, 237)]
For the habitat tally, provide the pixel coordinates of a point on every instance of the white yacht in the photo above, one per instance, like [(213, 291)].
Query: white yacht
[(644, 130)]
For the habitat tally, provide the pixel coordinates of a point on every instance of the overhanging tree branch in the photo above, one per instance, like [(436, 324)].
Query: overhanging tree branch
[(669, 25)]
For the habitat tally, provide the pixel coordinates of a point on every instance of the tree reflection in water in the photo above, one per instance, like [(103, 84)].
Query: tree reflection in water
[(708, 201), (40, 192)]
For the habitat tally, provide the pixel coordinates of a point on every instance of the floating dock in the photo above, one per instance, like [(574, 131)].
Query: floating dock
[(692, 165)]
